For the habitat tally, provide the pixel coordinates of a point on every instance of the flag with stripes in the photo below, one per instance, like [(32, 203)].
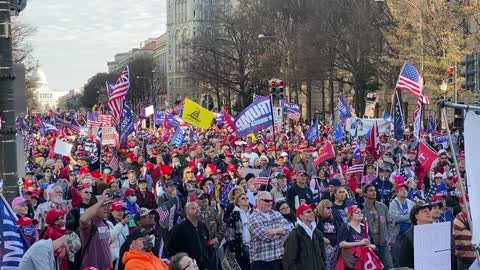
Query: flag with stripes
[(357, 168), (92, 120), (12, 244), (118, 94), (260, 181), (163, 213), (114, 162), (105, 120), (74, 125), (60, 122), (410, 80), (417, 117)]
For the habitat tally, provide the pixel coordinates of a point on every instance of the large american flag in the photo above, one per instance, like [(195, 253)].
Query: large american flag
[(410, 80), (114, 162), (92, 120), (357, 168), (117, 95), (74, 125)]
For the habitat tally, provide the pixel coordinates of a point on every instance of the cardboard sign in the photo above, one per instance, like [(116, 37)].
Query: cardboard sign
[(109, 135), (62, 148)]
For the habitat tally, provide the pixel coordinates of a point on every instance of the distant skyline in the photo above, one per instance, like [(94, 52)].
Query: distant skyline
[(76, 39)]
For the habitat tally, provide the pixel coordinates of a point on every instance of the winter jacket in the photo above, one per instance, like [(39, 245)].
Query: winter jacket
[(396, 213), (148, 202), (386, 222), (216, 227), (118, 235), (303, 252), (406, 249), (135, 260)]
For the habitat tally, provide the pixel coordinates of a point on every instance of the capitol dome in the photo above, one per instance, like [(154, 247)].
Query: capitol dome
[(39, 77)]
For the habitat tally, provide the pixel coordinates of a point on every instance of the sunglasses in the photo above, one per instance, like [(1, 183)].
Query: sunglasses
[(48, 171), (308, 212), (358, 212), (188, 172), (88, 192), (266, 200), (243, 198)]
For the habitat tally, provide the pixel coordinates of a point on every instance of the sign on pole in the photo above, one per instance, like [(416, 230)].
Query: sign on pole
[(108, 135), (278, 117)]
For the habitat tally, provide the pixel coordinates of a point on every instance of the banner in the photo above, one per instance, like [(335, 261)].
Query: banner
[(62, 148), (126, 125), (293, 109), (426, 157), (196, 115), (325, 153), (338, 134), (229, 126), (361, 126), (443, 139), (472, 156), (177, 138), (312, 133), (343, 109), (256, 116), (109, 135), (173, 121), (12, 244)]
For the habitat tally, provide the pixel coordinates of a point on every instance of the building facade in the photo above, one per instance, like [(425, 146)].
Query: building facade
[(47, 99)]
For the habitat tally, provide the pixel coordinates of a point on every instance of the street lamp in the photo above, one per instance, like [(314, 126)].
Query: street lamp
[(444, 88)]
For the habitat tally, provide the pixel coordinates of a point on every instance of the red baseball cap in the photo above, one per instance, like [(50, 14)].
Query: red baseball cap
[(25, 221), (351, 208), (399, 186), (117, 205), (28, 183), (231, 168), (212, 167), (303, 207), (437, 197), (129, 192), (53, 214)]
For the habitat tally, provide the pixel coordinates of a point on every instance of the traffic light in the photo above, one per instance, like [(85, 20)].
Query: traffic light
[(450, 75), (272, 85), (280, 89), (468, 71)]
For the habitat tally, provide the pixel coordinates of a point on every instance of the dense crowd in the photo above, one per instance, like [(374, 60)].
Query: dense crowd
[(258, 203)]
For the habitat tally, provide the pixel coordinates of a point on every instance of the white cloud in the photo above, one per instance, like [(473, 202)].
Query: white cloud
[(75, 39)]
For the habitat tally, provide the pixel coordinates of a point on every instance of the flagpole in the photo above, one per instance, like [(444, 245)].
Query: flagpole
[(273, 128), (395, 88)]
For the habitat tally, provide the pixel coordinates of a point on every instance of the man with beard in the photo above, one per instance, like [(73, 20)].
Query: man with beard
[(55, 201)]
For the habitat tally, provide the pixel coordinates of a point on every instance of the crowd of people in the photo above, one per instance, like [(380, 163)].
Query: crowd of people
[(255, 204)]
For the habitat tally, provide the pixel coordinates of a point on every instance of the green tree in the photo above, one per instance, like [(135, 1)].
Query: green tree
[(95, 87)]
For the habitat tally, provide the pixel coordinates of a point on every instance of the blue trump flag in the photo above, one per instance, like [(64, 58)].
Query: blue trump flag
[(12, 244), (126, 125), (312, 133), (338, 132), (192, 134), (399, 126), (431, 123), (343, 109), (255, 117), (178, 138), (172, 120), (48, 128)]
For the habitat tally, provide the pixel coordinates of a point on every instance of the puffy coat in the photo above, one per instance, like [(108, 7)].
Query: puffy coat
[(135, 260)]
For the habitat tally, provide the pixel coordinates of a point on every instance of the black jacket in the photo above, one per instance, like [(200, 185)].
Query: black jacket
[(406, 249), (302, 193), (303, 252), (192, 240)]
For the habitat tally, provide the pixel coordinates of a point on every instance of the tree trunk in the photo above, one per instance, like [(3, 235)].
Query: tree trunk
[(332, 98), (309, 99)]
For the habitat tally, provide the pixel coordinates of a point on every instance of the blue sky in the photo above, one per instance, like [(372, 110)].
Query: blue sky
[(76, 38)]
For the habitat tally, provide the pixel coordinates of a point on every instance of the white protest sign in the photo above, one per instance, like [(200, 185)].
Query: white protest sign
[(472, 156), (108, 135), (277, 117), (432, 250), (246, 171), (149, 110), (62, 148)]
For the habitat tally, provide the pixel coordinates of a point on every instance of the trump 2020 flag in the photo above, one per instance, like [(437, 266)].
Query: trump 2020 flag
[(178, 137), (12, 244), (431, 123), (126, 125), (312, 133), (472, 156), (399, 127), (196, 115), (343, 109), (256, 116), (338, 132)]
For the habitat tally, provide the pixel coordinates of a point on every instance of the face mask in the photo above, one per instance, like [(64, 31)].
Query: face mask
[(133, 199), (148, 245), (107, 171), (177, 163)]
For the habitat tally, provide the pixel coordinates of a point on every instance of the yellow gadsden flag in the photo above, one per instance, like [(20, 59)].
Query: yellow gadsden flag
[(196, 115)]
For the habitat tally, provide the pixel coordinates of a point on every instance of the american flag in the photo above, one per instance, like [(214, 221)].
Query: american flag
[(92, 120), (60, 122), (114, 162), (410, 80), (357, 168), (74, 125), (163, 213), (118, 94), (260, 181), (105, 120)]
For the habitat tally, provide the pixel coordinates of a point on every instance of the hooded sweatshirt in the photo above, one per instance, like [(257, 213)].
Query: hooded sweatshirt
[(136, 260)]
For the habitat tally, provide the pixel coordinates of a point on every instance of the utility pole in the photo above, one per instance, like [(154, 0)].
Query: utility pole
[(8, 151)]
